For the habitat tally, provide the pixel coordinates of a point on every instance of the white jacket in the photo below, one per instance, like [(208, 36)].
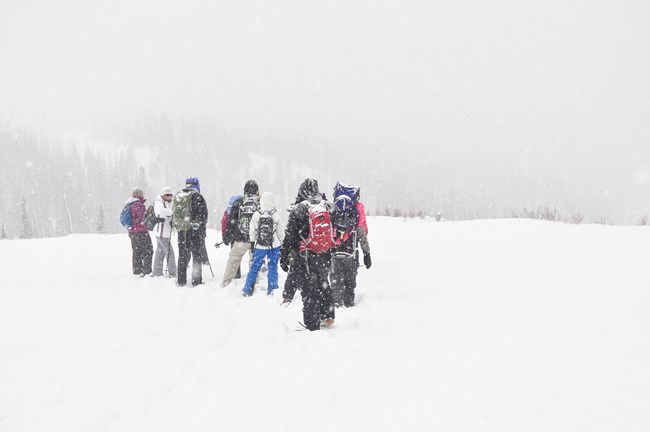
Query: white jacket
[(267, 204), (163, 210)]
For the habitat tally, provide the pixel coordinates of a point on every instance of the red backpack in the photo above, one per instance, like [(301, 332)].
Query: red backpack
[(320, 230)]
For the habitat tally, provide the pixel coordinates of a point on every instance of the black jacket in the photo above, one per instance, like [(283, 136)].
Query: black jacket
[(199, 210)]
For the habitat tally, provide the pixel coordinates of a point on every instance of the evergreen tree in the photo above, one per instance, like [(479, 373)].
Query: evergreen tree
[(101, 221), (27, 230)]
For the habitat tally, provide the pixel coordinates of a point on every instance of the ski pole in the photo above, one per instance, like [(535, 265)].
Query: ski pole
[(169, 246), (204, 252), (209, 265)]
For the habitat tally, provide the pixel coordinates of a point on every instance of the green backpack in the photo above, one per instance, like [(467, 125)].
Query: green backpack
[(182, 211)]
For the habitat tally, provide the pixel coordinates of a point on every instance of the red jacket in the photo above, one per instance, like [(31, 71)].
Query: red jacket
[(361, 211), (224, 223), (137, 216)]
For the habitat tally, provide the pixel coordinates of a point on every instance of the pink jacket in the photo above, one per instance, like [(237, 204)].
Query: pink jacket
[(137, 216), (361, 211)]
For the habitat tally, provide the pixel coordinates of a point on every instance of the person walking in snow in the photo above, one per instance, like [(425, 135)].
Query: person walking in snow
[(266, 234), (162, 208), (141, 246), (309, 233), (350, 230), (190, 218), (238, 229), (224, 228), (290, 283)]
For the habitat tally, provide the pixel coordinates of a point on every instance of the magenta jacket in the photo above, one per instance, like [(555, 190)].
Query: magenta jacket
[(137, 216)]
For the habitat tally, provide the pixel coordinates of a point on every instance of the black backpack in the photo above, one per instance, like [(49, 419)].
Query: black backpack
[(150, 218), (248, 207), (265, 229)]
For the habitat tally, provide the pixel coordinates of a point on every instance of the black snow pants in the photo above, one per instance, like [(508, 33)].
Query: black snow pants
[(190, 245), (291, 283), (142, 252), (344, 280), (311, 277)]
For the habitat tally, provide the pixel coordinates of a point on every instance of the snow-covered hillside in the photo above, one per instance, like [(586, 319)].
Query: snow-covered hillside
[(504, 325)]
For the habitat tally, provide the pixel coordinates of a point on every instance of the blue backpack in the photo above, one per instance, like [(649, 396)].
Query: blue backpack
[(345, 205), (125, 216)]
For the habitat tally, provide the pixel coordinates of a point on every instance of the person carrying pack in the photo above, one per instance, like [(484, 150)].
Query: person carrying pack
[(309, 236), (266, 233), (238, 229), (162, 207), (190, 218), (350, 230), (132, 217), (224, 227)]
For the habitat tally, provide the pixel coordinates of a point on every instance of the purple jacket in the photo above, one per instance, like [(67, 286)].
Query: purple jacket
[(137, 216)]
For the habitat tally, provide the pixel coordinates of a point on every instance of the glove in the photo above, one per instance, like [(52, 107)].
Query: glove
[(226, 242), (284, 262), (367, 261)]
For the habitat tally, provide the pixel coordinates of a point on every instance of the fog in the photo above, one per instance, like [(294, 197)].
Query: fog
[(469, 108)]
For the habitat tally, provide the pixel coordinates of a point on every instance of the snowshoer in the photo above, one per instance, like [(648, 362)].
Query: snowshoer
[(266, 234), (162, 208), (309, 234), (290, 284), (237, 231), (141, 245), (224, 228), (190, 217), (350, 230)]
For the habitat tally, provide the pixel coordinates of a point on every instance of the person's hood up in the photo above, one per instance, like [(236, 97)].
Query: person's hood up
[(308, 191), (267, 202), (251, 188)]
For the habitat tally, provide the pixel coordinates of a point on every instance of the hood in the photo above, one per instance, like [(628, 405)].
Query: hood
[(308, 191), (133, 199), (251, 188), (267, 202)]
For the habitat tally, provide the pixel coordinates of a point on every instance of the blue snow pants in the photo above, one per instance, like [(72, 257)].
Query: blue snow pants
[(258, 259)]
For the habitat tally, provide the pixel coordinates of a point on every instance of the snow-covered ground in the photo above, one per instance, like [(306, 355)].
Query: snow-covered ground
[(504, 325)]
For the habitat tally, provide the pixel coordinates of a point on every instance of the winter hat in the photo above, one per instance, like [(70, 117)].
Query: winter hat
[(166, 191), (267, 202), (251, 188), (137, 193), (193, 182)]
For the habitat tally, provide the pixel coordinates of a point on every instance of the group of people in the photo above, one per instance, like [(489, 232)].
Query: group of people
[(319, 245)]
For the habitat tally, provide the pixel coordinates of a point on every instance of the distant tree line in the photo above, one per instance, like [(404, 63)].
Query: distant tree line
[(53, 185), (51, 188)]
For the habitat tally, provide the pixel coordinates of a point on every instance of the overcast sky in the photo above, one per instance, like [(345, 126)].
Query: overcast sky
[(560, 89)]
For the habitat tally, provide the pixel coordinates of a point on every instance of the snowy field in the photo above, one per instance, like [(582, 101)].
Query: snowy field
[(504, 325)]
